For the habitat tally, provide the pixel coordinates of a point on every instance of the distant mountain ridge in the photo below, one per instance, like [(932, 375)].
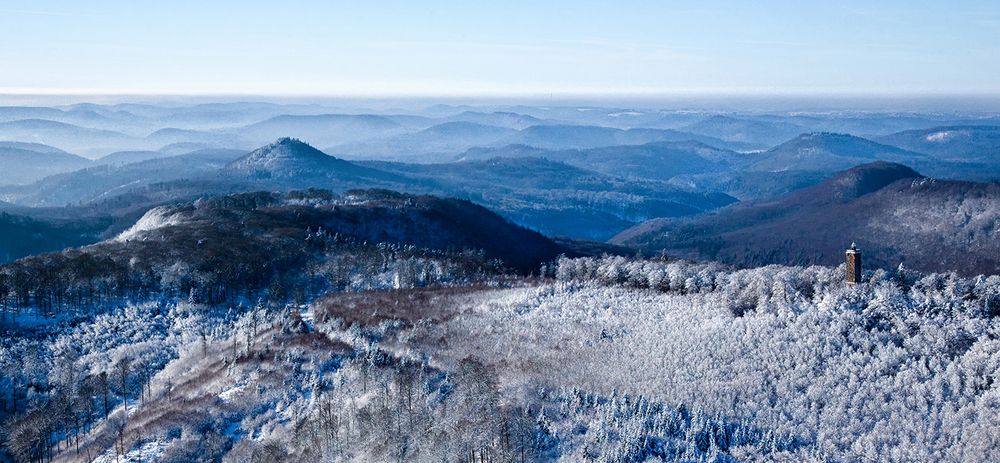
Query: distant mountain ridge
[(130, 157), (505, 119), (24, 163), (448, 141), (655, 161), (895, 214), (952, 143), (555, 197), (322, 129), (583, 170), (582, 136), (688, 165), (825, 151), (426, 145), (289, 162), (105, 181), (36, 147), (762, 133), (552, 197), (69, 137)]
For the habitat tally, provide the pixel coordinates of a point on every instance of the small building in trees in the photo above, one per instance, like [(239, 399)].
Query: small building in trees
[(853, 275)]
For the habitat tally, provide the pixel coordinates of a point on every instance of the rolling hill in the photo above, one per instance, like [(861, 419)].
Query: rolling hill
[(968, 143), (830, 152), (291, 160), (556, 198), (69, 137), (282, 165), (584, 136), (895, 214), (109, 180), (757, 132), (655, 161), (262, 222), (552, 197), (872, 124), (214, 139), (321, 130), (433, 143), (25, 163), (506, 119), (119, 158), (81, 116), (798, 163), (448, 141)]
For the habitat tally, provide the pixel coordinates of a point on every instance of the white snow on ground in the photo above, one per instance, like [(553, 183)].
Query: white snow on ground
[(230, 393), (308, 317), (155, 218), (149, 452), (939, 136)]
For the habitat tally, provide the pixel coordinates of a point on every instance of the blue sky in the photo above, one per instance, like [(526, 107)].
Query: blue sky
[(514, 47)]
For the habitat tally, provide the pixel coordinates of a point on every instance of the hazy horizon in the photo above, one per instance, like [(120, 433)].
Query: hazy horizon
[(818, 102)]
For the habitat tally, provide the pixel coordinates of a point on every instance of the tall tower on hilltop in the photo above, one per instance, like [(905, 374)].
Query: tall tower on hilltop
[(853, 265)]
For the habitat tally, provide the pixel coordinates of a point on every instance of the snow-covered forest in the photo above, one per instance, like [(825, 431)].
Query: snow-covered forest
[(602, 359), (497, 283), (499, 232)]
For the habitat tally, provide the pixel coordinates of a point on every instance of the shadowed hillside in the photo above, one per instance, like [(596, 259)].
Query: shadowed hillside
[(25, 163), (893, 213)]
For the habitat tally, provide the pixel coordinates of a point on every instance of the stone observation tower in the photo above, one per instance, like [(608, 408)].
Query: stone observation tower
[(853, 265)]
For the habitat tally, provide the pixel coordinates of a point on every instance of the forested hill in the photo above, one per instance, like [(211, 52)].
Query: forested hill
[(252, 245), (24, 236), (894, 214), (551, 197), (372, 216)]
